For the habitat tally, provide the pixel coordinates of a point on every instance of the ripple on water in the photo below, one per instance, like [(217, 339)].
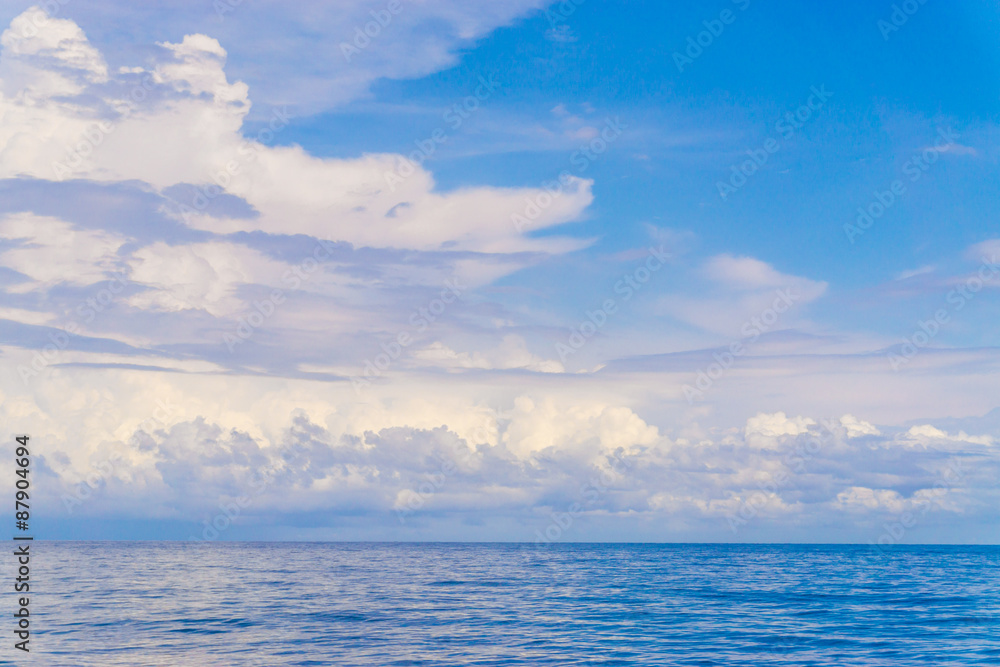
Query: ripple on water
[(501, 604)]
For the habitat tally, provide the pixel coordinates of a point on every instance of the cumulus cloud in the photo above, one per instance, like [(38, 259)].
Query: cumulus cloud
[(776, 425), (41, 63), (856, 427), (869, 499), (448, 457)]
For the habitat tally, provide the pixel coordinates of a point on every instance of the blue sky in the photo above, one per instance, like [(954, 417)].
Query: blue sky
[(626, 254), (687, 129)]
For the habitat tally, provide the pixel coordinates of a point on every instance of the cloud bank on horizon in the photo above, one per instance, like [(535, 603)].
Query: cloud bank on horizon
[(321, 273)]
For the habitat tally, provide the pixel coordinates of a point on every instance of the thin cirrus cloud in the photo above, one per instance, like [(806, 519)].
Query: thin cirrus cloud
[(735, 290)]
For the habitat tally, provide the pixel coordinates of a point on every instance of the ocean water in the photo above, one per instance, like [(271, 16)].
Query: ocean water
[(135, 603)]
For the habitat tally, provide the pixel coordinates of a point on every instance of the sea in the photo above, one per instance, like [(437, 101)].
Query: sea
[(365, 604)]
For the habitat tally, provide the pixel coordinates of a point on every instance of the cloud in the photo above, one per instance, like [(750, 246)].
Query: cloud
[(312, 39), (47, 62), (956, 149), (912, 273), (776, 425), (857, 428), (141, 169), (926, 434), (747, 273), (200, 222), (869, 499), (985, 250), (204, 276), (739, 289), (50, 251), (179, 123), (512, 353), (520, 460)]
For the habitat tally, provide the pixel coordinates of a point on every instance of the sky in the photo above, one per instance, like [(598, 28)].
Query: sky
[(520, 271)]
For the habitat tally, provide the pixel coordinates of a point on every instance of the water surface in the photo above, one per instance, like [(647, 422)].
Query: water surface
[(205, 604)]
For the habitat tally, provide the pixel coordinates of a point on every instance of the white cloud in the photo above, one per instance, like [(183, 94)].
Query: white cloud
[(528, 449), (740, 289), (512, 353), (954, 149), (203, 276), (925, 434), (547, 424), (177, 122), (269, 40), (749, 274), (985, 250), (743, 272), (856, 427), (27, 316), (52, 251), (364, 454), (911, 273), (861, 498), (47, 57), (776, 425), (180, 123)]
